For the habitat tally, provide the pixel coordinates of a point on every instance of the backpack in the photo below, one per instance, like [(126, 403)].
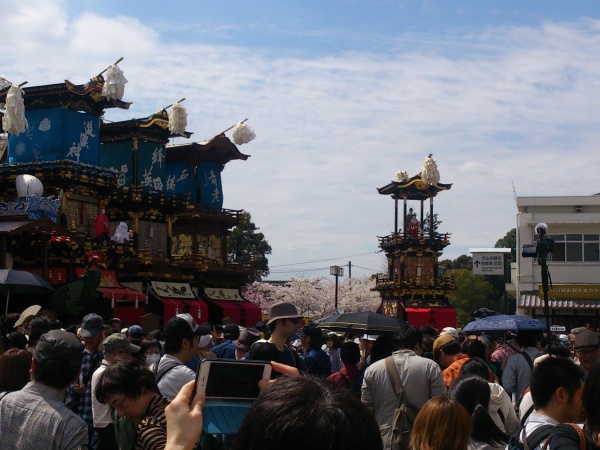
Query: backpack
[(405, 413), (160, 372), (533, 440)]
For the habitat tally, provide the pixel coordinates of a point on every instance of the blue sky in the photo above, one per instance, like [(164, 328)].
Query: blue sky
[(342, 95)]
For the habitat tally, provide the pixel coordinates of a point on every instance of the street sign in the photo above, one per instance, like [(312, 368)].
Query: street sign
[(488, 263)]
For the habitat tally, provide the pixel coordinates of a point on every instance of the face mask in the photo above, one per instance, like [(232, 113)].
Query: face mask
[(151, 359)]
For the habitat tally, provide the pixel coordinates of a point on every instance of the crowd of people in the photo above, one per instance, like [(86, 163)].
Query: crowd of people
[(100, 386)]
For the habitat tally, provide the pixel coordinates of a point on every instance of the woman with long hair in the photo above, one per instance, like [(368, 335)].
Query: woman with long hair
[(333, 344), (442, 424), (473, 392)]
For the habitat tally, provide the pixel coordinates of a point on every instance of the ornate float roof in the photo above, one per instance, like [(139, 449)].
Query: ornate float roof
[(83, 97), (218, 149), (413, 189), (154, 128)]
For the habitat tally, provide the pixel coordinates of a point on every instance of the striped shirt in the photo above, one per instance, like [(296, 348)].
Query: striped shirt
[(152, 430)]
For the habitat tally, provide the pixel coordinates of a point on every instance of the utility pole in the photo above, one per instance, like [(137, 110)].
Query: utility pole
[(349, 269)]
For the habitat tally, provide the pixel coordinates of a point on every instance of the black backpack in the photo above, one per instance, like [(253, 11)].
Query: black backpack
[(532, 441)]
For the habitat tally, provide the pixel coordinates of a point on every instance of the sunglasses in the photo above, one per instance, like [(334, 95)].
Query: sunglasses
[(295, 321)]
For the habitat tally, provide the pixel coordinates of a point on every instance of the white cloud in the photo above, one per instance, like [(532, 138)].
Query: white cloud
[(494, 106)]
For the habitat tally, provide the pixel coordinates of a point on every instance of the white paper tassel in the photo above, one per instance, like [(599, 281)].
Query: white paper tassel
[(14, 120), (242, 134), (429, 171), (402, 176), (177, 119), (114, 84)]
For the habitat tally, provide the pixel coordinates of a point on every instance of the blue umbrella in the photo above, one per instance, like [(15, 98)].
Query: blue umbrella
[(503, 323)]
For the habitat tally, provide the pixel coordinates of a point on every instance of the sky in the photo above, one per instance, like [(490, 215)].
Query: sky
[(342, 94)]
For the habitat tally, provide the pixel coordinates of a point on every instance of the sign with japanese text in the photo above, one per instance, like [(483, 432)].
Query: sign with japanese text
[(488, 263), (589, 291)]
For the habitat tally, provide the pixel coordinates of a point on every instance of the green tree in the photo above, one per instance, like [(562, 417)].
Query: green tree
[(246, 244), (436, 223), (472, 292), (509, 241)]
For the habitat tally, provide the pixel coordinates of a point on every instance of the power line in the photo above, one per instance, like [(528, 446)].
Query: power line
[(323, 260)]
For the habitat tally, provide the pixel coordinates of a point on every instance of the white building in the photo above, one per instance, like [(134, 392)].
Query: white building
[(574, 265)]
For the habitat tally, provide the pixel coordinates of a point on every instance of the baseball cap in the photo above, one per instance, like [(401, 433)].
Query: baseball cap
[(184, 326), (135, 329), (118, 341), (451, 331), (59, 344), (441, 340), (92, 325)]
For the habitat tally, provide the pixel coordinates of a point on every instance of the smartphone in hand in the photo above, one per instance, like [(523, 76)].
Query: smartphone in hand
[(231, 379)]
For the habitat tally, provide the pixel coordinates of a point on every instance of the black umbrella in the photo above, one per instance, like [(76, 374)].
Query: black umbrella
[(364, 321), (22, 282)]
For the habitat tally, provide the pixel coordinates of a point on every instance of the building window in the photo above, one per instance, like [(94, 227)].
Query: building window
[(575, 248)]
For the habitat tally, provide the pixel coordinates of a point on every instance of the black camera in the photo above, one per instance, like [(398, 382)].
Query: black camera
[(544, 244)]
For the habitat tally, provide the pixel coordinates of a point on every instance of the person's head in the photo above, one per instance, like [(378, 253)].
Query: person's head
[(128, 387), (333, 341), (445, 349), (474, 348), (311, 337), (429, 335), (264, 351), (572, 335), (115, 324), (284, 319), (473, 392), (92, 331), (231, 331), (587, 348), (57, 359), (556, 385), (182, 336), (407, 338), (135, 333), (529, 338), (118, 348), (14, 340), (382, 347), (350, 353), (150, 350), (37, 327), (14, 369), (475, 366), (316, 410), (557, 348), (248, 336), (442, 424)]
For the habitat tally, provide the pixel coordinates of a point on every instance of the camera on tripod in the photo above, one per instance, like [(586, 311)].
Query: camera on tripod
[(544, 244)]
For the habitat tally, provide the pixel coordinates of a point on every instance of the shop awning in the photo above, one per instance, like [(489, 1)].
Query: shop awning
[(242, 313), (533, 301), (178, 298), (436, 317)]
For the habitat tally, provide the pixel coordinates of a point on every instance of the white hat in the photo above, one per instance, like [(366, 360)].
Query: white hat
[(204, 340), (451, 331)]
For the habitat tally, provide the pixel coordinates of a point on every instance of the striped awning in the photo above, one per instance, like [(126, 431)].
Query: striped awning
[(533, 301)]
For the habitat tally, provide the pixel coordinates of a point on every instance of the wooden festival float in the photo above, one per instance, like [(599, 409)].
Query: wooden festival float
[(413, 289), (118, 220)]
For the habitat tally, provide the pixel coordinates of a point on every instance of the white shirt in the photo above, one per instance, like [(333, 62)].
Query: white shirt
[(100, 412), (173, 380)]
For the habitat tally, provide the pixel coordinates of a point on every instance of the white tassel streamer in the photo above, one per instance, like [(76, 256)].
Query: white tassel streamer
[(429, 171), (177, 119), (242, 134), (14, 120), (402, 176), (114, 84)]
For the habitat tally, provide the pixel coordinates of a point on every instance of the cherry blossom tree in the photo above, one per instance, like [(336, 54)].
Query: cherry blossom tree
[(315, 297)]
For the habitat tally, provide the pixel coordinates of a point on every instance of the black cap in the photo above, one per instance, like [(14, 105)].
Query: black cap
[(59, 344)]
